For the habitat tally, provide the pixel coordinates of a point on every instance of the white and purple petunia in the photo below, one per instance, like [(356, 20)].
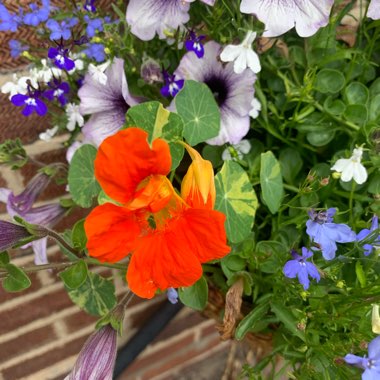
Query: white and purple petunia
[(370, 364), (148, 17), (279, 16), (324, 232), (369, 247), (374, 10), (107, 104), (233, 92), (301, 268)]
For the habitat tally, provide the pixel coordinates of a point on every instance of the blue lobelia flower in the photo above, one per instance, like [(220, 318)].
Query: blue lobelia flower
[(61, 29), (95, 51), (58, 90), (37, 15), (9, 21), (89, 6), (371, 365), (31, 102), (60, 57), (368, 248), (172, 295), (172, 86), (193, 43), (17, 48), (299, 267), (324, 232), (93, 25)]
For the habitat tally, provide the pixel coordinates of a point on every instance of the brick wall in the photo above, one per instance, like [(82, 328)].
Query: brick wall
[(41, 331)]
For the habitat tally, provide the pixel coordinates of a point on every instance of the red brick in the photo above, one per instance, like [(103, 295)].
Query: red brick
[(35, 309), (79, 320), (27, 342), (138, 319), (48, 359)]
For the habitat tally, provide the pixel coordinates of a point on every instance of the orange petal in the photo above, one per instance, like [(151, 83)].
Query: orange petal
[(198, 185), (162, 260), (125, 159), (111, 232), (205, 233)]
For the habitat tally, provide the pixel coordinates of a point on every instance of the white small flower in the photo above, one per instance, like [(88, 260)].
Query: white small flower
[(46, 73), (74, 116), (11, 87), (97, 72), (47, 136), (351, 168), (242, 55), (243, 147), (256, 108)]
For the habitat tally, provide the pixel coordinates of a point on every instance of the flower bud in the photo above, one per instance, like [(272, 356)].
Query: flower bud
[(375, 319), (11, 234), (151, 71), (97, 357)]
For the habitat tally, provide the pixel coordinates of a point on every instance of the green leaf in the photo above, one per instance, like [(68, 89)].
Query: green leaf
[(82, 182), (321, 138), (356, 93), (96, 295), (74, 276), (17, 280), (236, 198), (195, 296), (329, 81), (249, 321), (200, 113), (78, 235), (159, 123), (374, 184), (374, 108), (334, 106), (356, 113), (288, 319), (271, 181), (360, 274), (4, 258), (291, 164)]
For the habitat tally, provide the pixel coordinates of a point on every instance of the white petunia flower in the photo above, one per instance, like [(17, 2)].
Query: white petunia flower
[(74, 116), (256, 108), (47, 136), (279, 16), (97, 72), (242, 55), (374, 10), (351, 168), (243, 147)]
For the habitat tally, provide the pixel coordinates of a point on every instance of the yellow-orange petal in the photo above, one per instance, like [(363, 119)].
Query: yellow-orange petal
[(125, 159), (161, 260), (198, 185), (111, 232)]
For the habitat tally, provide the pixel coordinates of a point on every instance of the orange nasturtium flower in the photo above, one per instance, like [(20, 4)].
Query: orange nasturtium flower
[(169, 235)]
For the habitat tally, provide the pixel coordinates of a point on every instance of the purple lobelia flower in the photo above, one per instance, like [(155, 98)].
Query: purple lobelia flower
[(9, 21), (301, 268), (17, 48), (374, 10), (95, 51), (58, 90), (370, 364), (31, 102), (172, 86), (37, 15), (326, 233), (60, 57), (97, 358), (22, 205), (93, 25), (193, 43), (172, 295), (368, 248), (233, 92), (281, 16), (61, 29), (107, 104), (89, 6)]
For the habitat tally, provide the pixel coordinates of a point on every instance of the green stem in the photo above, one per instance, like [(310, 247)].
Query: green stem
[(92, 261)]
